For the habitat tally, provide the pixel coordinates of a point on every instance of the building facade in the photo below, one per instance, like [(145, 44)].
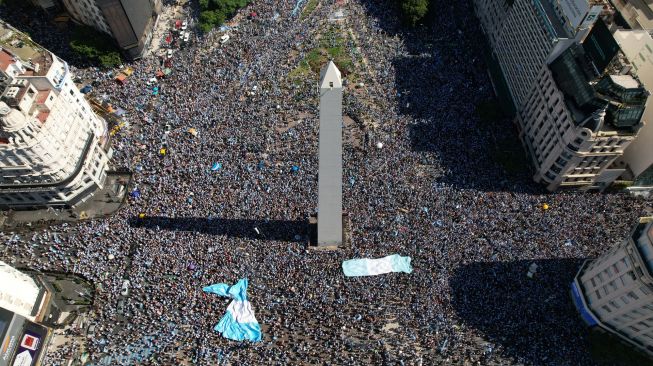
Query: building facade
[(130, 22), (615, 291), (521, 34), (52, 144), (548, 52), (30, 307), (637, 159), (23, 304), (524, 34), (584, 111)]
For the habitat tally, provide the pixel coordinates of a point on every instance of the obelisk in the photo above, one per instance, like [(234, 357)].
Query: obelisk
[(329, 215)]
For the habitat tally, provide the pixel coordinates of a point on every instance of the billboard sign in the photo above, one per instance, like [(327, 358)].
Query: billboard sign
[(31, 345), (574, 10), (22, 340), (592, 16), (28, 349)]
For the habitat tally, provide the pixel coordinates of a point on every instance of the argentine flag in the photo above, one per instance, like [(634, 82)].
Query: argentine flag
[(239, 323), (373, 267)]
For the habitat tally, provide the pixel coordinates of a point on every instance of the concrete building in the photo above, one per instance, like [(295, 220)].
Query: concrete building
[(559, 60), (615, 291), (637, 159), (21, 294), (329, 225), (638, 14), (23, 304), (29, 307), (129, 22), (523, 34), (583, 112), (52, 144)]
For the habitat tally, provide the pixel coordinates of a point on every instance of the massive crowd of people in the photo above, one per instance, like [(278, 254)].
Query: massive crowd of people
[(432, 192)]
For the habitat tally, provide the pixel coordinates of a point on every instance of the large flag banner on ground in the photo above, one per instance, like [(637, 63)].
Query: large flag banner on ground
[(239, 323), (372, 267)]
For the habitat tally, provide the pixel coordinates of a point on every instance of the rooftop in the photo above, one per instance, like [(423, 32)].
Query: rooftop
[(625, 81), (18, 43), (596, 75), (18, 291)]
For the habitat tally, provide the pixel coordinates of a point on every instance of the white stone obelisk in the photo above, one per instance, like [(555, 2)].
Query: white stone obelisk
[(329, 216)]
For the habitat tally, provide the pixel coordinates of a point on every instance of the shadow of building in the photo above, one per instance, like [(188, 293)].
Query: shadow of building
[(532, 319), (274, 230), (441, 78)]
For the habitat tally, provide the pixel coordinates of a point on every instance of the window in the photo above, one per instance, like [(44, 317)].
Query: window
[(606, 308), (633, 328)]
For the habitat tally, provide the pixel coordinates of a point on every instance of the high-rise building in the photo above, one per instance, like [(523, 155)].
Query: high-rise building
[(523, 34), (52, 144), (129, 22), (615, 291), (637, 159), (581, 114), (579, 103)]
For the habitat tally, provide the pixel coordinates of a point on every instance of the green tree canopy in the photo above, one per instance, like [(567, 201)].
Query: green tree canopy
[(215, 12), (414, 10), (95, 46)]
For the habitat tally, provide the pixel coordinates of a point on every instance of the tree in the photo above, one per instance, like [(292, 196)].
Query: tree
[(414, 10), (94, 46), (110, 59), (215, 12)]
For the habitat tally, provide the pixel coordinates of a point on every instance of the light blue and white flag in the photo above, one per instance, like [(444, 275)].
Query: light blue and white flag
[(216, 166), (239, 323), (372, 267)]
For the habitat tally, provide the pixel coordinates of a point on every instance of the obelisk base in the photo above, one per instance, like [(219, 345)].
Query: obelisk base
[(312, 234)]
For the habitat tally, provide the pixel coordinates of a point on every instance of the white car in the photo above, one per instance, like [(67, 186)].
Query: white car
[(184, 25), (124, 290), (186, 36), (169, 54), (224, 38)]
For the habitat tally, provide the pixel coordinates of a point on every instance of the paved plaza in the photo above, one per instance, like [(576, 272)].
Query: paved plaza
[(432, 191)]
